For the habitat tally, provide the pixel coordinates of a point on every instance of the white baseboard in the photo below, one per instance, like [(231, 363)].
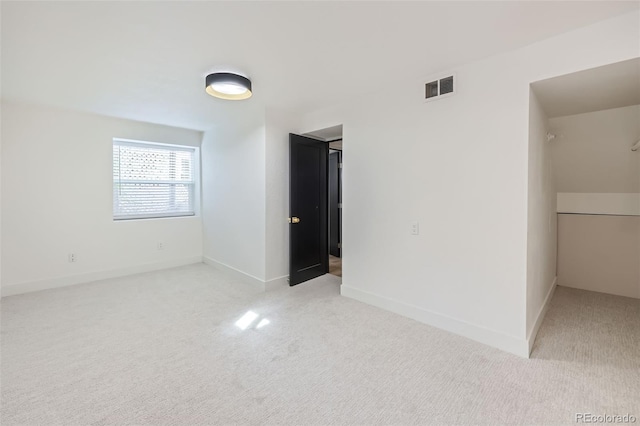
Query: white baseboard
[(28, 287), (261, 284), (541, 313), (236, 273), (276, 283), (479, 334)]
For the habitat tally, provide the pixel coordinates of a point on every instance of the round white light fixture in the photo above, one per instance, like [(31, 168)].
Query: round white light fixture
[(226, 85)]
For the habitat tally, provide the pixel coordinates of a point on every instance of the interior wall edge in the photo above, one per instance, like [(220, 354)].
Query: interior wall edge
[(259, 283), (531, 334), (276, 283), (85, 278), (609, 292), (478, 333)]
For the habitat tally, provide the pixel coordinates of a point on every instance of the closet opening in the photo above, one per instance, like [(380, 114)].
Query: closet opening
[(583, 249)]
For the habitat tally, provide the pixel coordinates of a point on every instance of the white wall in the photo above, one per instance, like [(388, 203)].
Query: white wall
[(453, 166), (1, 280), (596, 170), (592, 152), (459, 167), (233, 196), (542, 221), (57, 199), (598, 175), (599, 253), (278, 126), (245, 232)]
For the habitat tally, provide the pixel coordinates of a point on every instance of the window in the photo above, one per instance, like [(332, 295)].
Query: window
[(152, 180)]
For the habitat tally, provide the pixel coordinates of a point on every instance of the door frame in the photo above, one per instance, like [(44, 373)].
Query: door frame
[(338, 201)]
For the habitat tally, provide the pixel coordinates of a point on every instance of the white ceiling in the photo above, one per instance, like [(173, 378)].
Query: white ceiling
[(610, 86), (147, 60)]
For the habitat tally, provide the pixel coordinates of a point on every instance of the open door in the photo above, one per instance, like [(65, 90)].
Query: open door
[(308, 233)]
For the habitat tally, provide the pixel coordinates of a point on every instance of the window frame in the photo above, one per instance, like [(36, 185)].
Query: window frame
[(153, 216)]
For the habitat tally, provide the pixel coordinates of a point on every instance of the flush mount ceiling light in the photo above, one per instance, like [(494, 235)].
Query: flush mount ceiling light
[(226, 85)]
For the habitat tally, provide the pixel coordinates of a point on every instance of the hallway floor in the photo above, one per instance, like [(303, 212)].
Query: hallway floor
[(335, 266), (191, 346)]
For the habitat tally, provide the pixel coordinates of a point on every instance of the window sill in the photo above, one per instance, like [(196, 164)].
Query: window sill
[(136, 218)]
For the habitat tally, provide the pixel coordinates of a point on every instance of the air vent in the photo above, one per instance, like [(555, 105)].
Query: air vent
[(431, 89), (439, 88), (446, 85)]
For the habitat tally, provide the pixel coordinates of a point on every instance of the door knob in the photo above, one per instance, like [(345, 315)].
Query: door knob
[(294, 220)]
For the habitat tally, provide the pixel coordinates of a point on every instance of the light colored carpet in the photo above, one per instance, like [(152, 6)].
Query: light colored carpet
[(163, 348)]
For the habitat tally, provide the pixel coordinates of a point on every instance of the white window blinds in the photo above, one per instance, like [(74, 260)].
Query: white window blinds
[(152, 180)]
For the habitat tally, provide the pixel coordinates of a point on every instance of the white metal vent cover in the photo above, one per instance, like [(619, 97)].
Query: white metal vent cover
[(440, 87)]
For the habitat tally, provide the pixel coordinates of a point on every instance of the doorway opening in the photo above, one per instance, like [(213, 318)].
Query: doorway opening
[(583, 266), (315, 198), (335, 207)]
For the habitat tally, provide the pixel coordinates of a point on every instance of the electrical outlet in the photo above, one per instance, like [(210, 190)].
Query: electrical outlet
[(415, 228), (72, 257), (160, 246)]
